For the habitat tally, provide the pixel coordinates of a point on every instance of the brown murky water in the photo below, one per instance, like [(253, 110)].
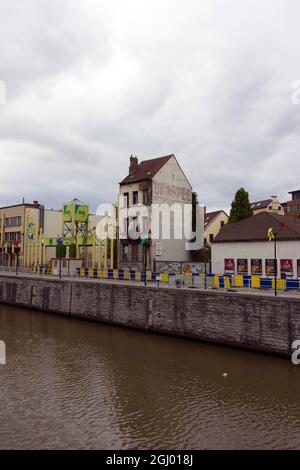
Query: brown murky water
[(70, 384)]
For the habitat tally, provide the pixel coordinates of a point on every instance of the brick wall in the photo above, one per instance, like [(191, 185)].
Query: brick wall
[(255, 322)]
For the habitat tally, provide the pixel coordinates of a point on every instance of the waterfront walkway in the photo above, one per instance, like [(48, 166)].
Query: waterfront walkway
[(159, 285)]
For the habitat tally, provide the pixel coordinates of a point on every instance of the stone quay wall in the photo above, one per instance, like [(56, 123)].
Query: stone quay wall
[(249, 321)]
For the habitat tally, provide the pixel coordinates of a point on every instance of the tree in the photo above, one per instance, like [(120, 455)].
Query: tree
[(203, 255), (194, 205), (61, 251), (240, 207), (73, 251)]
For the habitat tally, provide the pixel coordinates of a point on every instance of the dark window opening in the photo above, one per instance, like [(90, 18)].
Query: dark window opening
[(135, 197)]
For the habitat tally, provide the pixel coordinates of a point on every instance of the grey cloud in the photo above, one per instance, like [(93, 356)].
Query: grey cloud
[(89, 83)]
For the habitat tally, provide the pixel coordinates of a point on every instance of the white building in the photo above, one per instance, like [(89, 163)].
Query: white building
[(152, 182), (244, 247)]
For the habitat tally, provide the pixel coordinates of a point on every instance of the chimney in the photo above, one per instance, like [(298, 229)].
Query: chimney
[(134, 163)]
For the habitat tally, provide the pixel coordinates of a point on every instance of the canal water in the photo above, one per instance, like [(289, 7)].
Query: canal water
[(71, 384)]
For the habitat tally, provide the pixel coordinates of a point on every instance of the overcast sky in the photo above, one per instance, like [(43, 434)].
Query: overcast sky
[(90, 82)]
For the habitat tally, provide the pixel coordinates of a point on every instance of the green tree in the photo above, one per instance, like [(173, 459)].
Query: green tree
[(73, 251), (194, 205), (61, 251), (203, 255), (240, 207)]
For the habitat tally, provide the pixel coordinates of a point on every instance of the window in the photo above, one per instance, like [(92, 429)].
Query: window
[(211, 237), (296, 195), (135, 198), (124, 232), (222, 223), (125, 252), (12, 236), (135, 224), (146, 198), (126, 197), (145, 225), (13, 221)]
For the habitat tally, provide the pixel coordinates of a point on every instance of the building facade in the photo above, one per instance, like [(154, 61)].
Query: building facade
[(268, 205), (244, 248), (293, 206), (20, 225), (213, 223), (29, 235), (155, 182)]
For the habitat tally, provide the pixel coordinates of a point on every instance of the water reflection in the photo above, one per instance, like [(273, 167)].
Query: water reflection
[(73, 384)]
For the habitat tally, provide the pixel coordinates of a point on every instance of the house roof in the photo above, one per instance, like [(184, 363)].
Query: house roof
[(260, 204), (256, 228), (25, 204), (296, 191), (146, 169), (210, 217)]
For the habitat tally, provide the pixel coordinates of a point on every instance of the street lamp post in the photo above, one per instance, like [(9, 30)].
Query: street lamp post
[(60, 243), (17, 267), (144, 240), (275, 258), (205, 264), (16, 249), (273, 236)]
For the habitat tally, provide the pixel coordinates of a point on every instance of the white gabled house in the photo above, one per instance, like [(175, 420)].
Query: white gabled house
[(152, 182)]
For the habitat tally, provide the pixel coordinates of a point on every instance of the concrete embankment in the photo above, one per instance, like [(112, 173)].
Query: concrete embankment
[(249, 321)]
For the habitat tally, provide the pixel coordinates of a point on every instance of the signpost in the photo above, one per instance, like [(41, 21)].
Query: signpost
[(144, 241), (16, 246), (60, 243), (273, 237)]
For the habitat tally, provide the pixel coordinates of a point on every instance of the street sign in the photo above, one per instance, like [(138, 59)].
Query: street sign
[(158, 249)]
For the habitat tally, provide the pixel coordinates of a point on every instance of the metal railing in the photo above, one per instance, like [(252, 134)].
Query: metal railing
[(14, 269)]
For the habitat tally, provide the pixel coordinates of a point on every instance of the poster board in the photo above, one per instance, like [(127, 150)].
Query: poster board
[(256, 267), (242, 266), (229, 266)]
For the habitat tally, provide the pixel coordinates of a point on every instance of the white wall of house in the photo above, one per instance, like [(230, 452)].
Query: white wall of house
[(254, 250), (130, 189), (170, 186), (53, 223)]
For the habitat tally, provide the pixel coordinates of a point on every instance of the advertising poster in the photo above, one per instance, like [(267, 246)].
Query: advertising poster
[(229, 266), (286, 266), (270, 267), (298, 268), (256, 267), (242, 266), (80, 213)]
